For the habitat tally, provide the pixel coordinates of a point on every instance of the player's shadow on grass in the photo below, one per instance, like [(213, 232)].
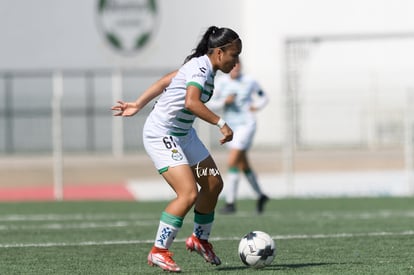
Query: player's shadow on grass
[(277, 266)]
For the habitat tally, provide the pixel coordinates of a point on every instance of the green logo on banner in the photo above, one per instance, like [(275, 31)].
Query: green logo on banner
[(127, 25)]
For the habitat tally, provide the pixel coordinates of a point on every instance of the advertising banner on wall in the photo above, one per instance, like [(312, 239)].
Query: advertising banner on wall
[(81, 34)]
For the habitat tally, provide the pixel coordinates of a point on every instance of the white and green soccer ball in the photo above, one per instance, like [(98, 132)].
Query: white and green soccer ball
[(257, 249)]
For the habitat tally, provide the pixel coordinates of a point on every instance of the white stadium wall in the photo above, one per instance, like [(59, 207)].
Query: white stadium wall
[(51, 34), (267, 24), (59, 34)]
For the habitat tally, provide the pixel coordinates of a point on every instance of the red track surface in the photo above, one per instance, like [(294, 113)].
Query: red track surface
[(75, 192)]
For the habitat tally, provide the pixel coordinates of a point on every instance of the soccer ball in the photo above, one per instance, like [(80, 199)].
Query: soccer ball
[(257, 249)]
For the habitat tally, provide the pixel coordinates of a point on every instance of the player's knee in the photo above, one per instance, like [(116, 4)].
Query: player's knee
[(213, 185), (216, 185), (189, 198)]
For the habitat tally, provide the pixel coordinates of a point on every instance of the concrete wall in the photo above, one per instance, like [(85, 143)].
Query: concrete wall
[(51, 34)]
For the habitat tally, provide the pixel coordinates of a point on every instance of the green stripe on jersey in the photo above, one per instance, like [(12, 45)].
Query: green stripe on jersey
[(195, 84), (176, 134), (185, 120), (185, 111), (209, 85)]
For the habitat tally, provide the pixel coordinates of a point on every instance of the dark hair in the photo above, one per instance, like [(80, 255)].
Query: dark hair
[(214, 37)]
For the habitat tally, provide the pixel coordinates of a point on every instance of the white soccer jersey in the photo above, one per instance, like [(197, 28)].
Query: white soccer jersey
[(248, 93), (169, 113)]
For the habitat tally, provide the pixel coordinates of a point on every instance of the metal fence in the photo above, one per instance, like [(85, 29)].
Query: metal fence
[(28, 99)]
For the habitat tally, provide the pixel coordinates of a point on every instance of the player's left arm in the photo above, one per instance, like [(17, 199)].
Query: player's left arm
[(131, 108)]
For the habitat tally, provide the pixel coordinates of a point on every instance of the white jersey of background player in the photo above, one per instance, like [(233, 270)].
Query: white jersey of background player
[(239, 96)]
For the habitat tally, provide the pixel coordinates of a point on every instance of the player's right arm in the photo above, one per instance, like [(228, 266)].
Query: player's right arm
[(131, 108), (199, 109)]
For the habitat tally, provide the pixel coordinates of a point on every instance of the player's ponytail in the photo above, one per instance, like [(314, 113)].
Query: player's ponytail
[(214, 37)]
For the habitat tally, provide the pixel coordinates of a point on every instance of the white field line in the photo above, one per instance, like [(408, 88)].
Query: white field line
[(106, 216), (90, 221), (82, 225), (69, 217), (276, 237)]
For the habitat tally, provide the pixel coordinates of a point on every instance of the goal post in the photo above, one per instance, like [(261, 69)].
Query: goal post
[(117, 124), (57, 135), (300, 53), (408, 140)]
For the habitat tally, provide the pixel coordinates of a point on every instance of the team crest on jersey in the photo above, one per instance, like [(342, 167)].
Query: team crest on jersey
[(176, 155)]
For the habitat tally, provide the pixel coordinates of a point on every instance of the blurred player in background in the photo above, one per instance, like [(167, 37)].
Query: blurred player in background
[(239, 96), (174, 147)]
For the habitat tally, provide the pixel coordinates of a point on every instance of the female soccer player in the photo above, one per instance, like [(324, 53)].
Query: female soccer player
[(239, 96), (174, 147)]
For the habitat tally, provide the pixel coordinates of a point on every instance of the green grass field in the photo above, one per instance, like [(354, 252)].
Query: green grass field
[(313, 236)]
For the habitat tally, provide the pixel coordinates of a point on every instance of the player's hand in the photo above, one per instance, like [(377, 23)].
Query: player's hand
[(253, 109), (125, 108), (227, 134), (230, 99)]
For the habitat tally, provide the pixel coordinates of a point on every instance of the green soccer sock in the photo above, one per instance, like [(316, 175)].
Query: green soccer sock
[(203, 224)]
